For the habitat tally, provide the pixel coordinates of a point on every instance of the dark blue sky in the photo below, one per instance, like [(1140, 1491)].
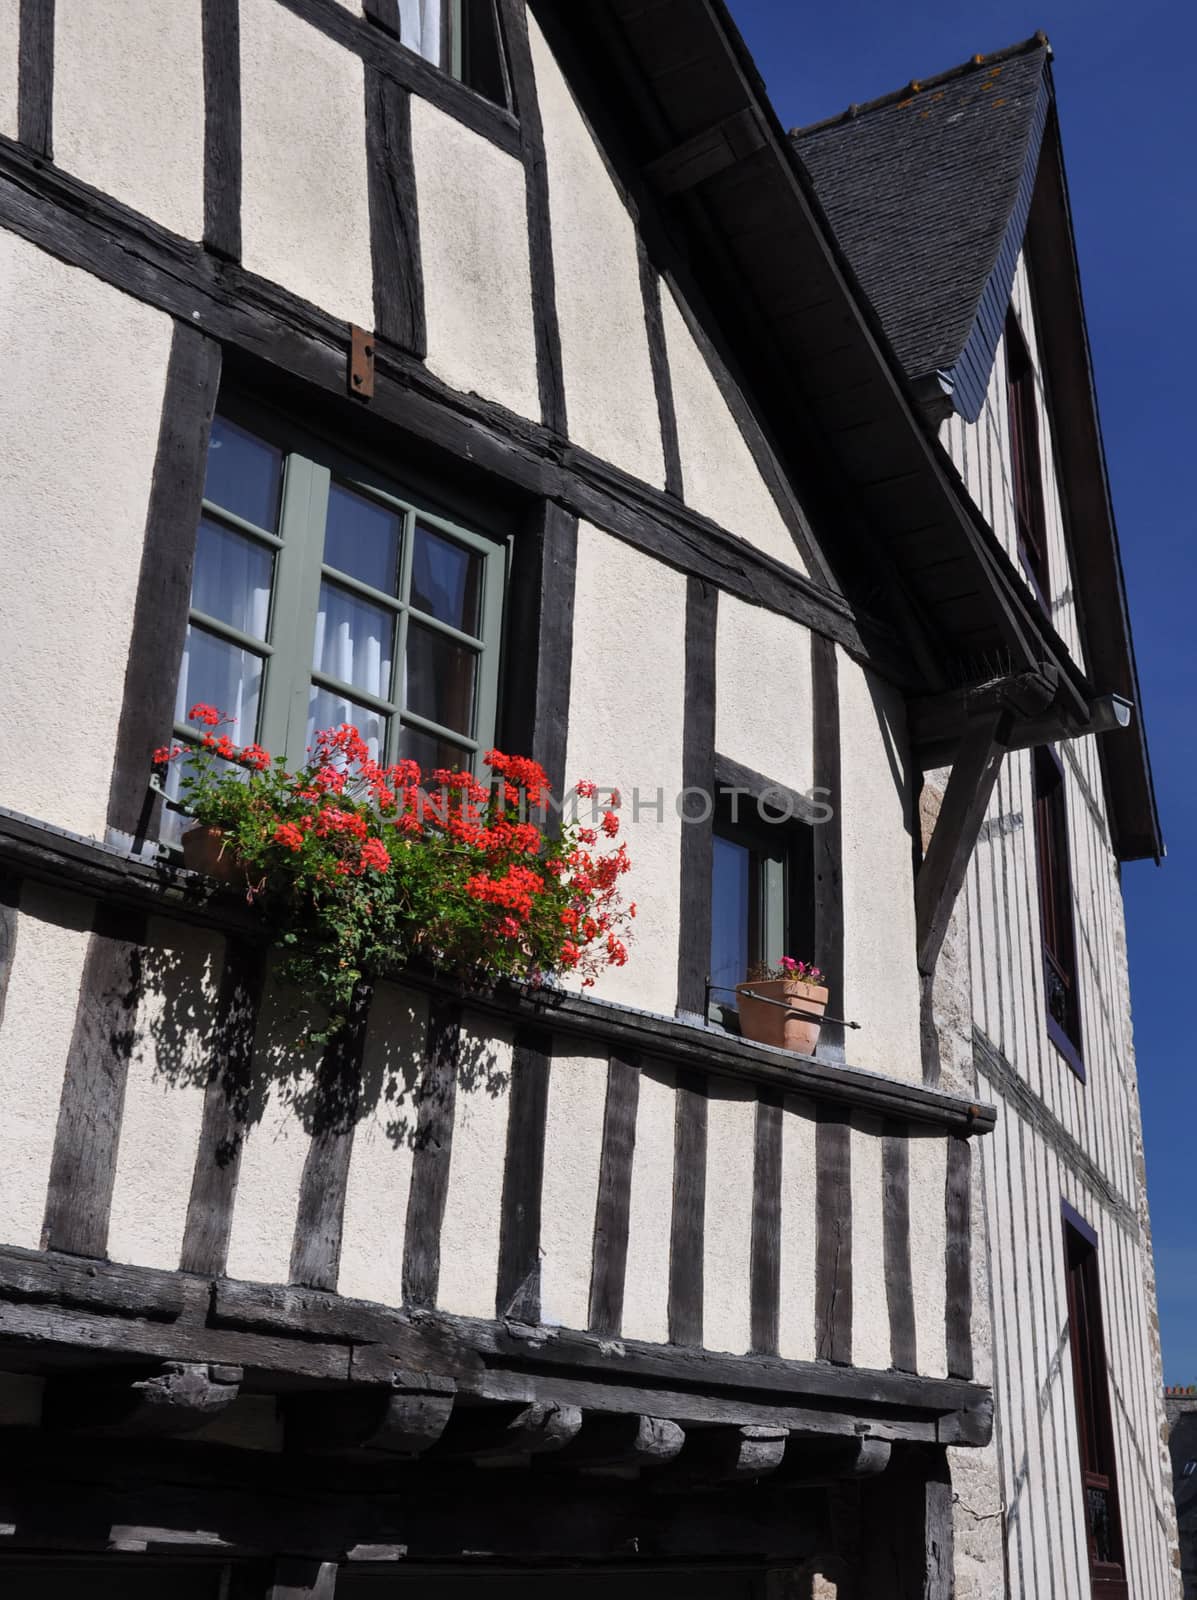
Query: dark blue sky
[(1124, 80)]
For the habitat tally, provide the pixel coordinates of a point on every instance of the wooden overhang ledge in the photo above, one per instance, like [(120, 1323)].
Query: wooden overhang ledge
[(138, 1351)]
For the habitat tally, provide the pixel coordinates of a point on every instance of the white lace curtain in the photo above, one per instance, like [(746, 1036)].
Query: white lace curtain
[(420, 27)]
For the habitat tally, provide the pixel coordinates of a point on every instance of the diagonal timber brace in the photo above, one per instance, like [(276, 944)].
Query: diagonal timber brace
[(965, 802)]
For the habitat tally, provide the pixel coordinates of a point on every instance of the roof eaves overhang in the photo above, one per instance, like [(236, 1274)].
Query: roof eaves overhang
[(813, 320), (1092, 534)]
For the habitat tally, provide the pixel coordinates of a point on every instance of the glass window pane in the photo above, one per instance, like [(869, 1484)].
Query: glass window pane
[(446, 580), (232, 578), (354, 641), (431, 752), (223, 675), (244, 474), (420, 28), (362, 538), (328, 710), (731, 878), (440, 678)]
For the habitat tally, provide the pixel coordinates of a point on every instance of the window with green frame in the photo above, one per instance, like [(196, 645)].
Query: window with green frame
[(325, 593)]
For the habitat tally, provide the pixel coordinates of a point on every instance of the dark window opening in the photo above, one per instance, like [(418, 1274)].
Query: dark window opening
[(1095, 1431), (1029, 510), (1055, 906), (761, 898), (463, 38)]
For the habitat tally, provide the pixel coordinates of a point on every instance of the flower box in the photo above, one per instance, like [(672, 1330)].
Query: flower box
[(784, 1007)]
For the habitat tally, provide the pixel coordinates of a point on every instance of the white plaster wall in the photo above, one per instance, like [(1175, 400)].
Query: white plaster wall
[(376, 1194), (305, 212), (129, 104), (573, 1148), (275, 1148), (470, 1231), (928, 1250), (79, 418), (10, 33), (164, 1095), (610, 397), (870, 1305), (727, 1221), (720, 477), (39, 1020), (881, 986), (796, 1320), (763, 714), (650, 1210), (629, 651), (474, 251)]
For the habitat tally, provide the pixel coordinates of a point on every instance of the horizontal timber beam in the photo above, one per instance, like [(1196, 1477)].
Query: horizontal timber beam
[(270, 324), (541, 1381), (31, 849)]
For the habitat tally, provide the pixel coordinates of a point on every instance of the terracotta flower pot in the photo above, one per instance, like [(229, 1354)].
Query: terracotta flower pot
[(775, 1024), (207, 850)]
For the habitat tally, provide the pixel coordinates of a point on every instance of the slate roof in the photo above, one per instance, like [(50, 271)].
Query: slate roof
[(927, 193)]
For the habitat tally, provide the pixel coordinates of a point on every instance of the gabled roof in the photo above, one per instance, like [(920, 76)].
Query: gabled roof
[(928, 191), (730, 209)]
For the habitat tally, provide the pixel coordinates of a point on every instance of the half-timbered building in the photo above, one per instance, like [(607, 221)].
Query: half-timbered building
[(499, 372)]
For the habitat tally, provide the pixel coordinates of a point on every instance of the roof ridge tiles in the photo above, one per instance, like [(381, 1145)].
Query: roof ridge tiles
[(1037, 41)]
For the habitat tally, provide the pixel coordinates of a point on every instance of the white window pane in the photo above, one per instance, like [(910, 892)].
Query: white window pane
[(232, 578), (354, 641), (327, 710), (420, 28), (223, 675)]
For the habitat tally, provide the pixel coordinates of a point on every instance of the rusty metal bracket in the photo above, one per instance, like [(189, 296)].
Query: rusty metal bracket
[(361, 363)]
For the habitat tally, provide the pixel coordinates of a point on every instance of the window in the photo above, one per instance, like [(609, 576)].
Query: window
[(1099, 1480), (1055, 907), (461, 37), (322, 593), (1024, 449), (761, 905)]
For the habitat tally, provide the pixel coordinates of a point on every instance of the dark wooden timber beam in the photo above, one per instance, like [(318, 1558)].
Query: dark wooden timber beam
[(393, 1422), (810, 1463), (974, 774), (610, 1440), (706, 153), (724, 1455), (178, 1398), (508, 1433)]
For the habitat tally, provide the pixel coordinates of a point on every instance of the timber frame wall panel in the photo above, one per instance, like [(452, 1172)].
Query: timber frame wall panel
[(1059, 1137)]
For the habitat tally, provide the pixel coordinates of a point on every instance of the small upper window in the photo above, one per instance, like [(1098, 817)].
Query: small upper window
[(462, 37), (1029, 509), (322, 593), (760, 898), (1055, 905)]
